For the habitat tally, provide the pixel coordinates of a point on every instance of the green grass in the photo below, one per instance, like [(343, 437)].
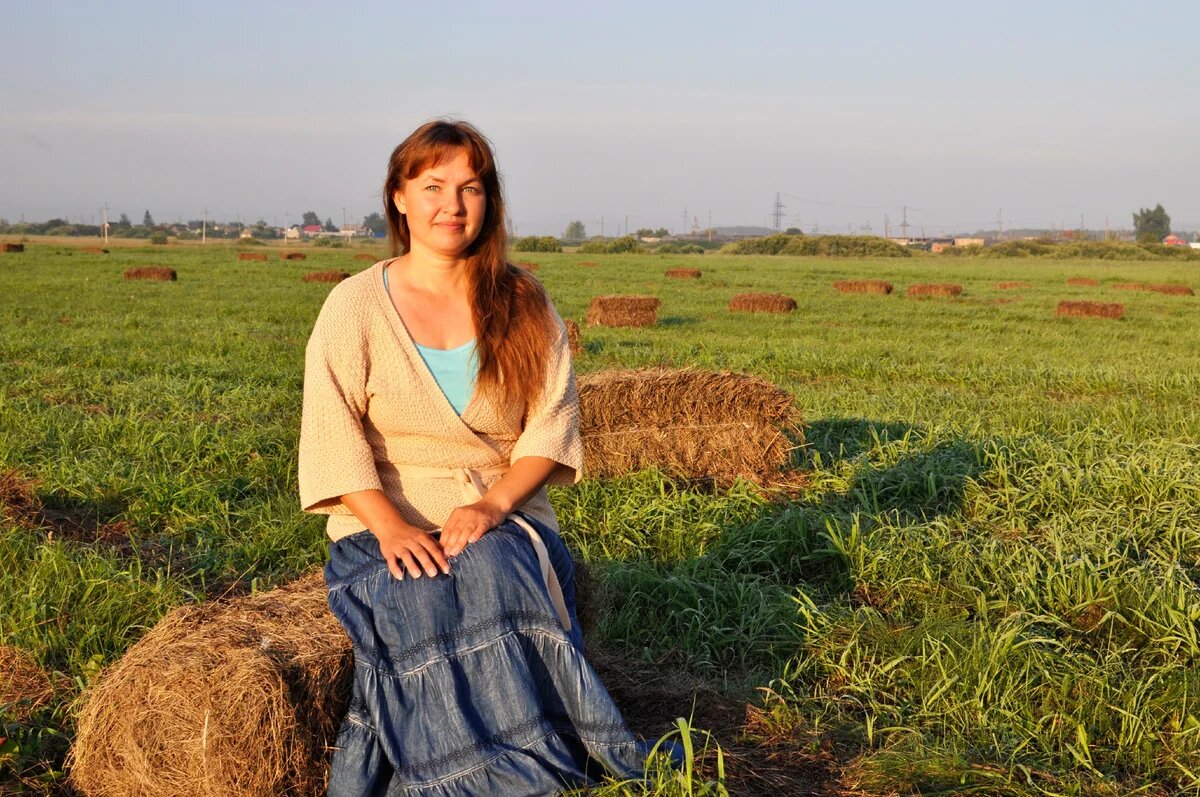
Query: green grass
[(988, 586)]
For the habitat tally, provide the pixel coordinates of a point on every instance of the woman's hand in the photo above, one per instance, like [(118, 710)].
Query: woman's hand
[(467, 524), (409, 548)]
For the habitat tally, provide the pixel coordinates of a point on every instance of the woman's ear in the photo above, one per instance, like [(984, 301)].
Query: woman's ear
[(398, 199)]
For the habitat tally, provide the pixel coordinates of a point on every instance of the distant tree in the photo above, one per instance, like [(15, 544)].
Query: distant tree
[(311, 218), (329, 226), (1156, 223), (147, 220), (375, 224), (124, 221), (661, 232), (575, 231), (793, 231), (644, 232)]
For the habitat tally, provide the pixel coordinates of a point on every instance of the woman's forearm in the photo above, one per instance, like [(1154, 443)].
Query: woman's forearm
[(522, 480), (374, 511)]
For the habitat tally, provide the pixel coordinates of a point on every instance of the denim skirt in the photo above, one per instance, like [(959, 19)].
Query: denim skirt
[(467, 683)]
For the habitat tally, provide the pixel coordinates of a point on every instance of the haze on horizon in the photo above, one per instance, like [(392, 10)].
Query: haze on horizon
[(627, 110)]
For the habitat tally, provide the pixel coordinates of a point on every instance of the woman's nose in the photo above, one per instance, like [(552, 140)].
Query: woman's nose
[(453, 203)]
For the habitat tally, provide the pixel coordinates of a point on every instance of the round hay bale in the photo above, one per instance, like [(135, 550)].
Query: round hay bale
[(683, 273), (13, 248), (293, 256), (1008, 286), (573, 337), (326, 276), (93, 250), (240, 698), (159, 273), (260, 257), (1090, 310), (933, 289), (863, 286), (1083, 282), (527, 265), (690, 424), (24, 686), (761, 303), (588, 263), (366, 257), (623, 311), (1172, 290), (1129, 286)]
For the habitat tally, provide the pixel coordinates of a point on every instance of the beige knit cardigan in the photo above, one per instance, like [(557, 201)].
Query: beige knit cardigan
[(373, 410)]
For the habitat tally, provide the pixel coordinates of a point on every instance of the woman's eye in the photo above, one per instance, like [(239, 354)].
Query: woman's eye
[(431, 188), (474, 189)]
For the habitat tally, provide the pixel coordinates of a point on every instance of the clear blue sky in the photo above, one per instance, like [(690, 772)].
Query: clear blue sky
[(851, 110)]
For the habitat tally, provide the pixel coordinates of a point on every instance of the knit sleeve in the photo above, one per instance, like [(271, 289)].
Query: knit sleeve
[(552, 422), (335, 457)]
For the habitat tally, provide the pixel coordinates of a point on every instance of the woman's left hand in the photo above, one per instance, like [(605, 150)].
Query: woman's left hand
[(467, 524)]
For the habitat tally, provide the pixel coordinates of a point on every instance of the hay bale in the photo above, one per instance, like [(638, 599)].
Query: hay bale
[(366, 257), (24, 686), (761, 303), (1083, 282), (159, 273), (260, 257), (690, 424), (588, 263), (623, 311), (933, 289), (683, 273), (1090, 310), (573, 337), (1172, 290), (226, 698), (1008, 286), (93, 250), (863, 286), (1129, 286), (326, 276), (527, 265), (13, 248), (293, 256)]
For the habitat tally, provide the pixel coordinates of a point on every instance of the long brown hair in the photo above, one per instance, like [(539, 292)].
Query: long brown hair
[(511, 312)]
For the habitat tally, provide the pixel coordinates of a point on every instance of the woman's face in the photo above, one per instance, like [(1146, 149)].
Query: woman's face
[(444, 206)]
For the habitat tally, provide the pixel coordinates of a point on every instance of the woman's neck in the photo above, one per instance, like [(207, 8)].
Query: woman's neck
[(430, 274)]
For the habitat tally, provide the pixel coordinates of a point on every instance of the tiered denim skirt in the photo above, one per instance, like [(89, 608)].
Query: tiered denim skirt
[(467, 683)]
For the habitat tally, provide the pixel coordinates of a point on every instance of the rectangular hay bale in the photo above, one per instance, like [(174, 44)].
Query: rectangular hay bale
[(623, 311)]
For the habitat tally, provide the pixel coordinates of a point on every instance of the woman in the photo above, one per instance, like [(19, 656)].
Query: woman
[(439, 401)]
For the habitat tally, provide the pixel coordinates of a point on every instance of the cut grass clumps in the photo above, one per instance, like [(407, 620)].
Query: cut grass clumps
[(695, 425), (242, 697), (761, 303), (1012, 285), (24, 686), (365, 257), (933, 290), (527, 265), (1172, 290), (588, 263), (293, 256), (12, 248), (93, 250), (683, 273), (260, 257), (158, 273), (863, 286), (326, 276), (1083, 282), (623, 311), (1090, 310)]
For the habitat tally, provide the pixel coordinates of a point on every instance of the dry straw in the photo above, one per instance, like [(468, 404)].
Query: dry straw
[(695, 425), (573, 337), (1172, 290), (1090, 310), (366, 257), (325, 276), (159, 273), (293, 256), (588, 263), (933, 289), (623, 311), (225, 699), (260, 257), (1083, 282), (761, 303), (12, 247), (93, 250), (24, 687), (683, 273), (1009, 286), (863, 286)]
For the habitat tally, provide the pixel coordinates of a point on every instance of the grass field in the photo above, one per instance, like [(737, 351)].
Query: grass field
[(989, 585)]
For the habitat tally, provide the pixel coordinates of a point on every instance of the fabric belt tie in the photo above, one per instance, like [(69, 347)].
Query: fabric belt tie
[(470, 482)]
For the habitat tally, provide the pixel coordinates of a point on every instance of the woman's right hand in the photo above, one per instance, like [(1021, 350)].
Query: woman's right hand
[(407, 548)]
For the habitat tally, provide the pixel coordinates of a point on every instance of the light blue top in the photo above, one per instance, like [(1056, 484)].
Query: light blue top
[(454, 370)]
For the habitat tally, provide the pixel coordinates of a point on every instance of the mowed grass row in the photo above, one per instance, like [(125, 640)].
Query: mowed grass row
[(989, 583)]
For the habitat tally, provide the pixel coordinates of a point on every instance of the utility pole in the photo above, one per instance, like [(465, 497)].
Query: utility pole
[(683, 229), (777, 213), (1106, 227), (105, 224), (601, 226), (1000, 224), (904, 223), (204, 228), (887, 228), (710, 229), (344, 224), (627, 225)]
